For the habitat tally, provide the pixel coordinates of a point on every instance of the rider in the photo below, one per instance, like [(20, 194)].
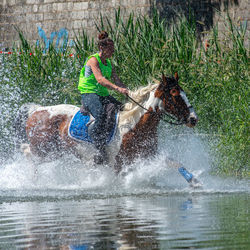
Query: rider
[(94, 83)]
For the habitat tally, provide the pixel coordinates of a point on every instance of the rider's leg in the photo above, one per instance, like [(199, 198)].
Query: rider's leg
[(111, 99), (94, 104), (112, 106)]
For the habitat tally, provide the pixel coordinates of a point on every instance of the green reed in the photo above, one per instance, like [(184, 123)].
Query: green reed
[(44, 77), (215, 77)]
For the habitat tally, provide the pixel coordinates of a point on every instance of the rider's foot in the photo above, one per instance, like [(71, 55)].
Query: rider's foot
[(101, 158)]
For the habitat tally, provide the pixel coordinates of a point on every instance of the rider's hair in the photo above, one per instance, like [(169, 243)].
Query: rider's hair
[(104, 40)]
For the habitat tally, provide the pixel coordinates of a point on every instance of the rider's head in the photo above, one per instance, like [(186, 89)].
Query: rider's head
[(105, 44)]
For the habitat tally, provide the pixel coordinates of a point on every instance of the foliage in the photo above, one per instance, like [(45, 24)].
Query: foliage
[(214, 76)]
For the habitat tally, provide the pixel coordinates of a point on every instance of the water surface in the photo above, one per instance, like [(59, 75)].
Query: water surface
[(66, 204), (165, 221)]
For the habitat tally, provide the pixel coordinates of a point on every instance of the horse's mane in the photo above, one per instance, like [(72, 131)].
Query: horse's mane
[(132, 112)]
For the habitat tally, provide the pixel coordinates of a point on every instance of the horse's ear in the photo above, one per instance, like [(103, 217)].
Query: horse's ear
[(176, 76)]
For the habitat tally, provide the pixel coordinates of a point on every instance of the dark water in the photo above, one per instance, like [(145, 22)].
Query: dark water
[(68, 205)]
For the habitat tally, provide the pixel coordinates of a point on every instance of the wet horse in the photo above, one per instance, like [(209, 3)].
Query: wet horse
[(136, 135)]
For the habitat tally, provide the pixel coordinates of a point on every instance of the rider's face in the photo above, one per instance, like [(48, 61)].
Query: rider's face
[(108, 50)]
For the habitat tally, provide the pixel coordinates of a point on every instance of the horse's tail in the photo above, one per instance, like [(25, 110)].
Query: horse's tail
[(19, 123)]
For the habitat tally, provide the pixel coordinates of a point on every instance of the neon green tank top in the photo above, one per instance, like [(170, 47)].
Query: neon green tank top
[(89, 84)]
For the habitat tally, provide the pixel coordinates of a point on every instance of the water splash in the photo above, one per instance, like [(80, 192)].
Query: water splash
[(68, 177)]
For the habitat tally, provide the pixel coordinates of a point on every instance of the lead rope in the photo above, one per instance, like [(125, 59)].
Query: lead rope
[(166, 114)]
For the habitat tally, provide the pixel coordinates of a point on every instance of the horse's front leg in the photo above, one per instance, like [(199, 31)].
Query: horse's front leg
[(118, 164), (130, 151), (172, 163), (189, 177)]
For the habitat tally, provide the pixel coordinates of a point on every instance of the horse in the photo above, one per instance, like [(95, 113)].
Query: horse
[(46, 127)]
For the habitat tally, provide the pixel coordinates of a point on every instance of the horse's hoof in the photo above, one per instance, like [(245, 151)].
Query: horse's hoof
[(117, 169), (194, 183), (98, 159), (125, 172)]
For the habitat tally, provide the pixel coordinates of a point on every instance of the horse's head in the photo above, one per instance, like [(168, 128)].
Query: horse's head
[(175, 101)]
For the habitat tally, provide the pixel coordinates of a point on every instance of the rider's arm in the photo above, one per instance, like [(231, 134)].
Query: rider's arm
[(116, 79), (94, 64)]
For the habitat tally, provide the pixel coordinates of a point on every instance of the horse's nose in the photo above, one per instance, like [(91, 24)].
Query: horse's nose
[(193, 121)]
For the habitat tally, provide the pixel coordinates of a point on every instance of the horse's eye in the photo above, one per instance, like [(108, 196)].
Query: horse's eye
[(174, 92)]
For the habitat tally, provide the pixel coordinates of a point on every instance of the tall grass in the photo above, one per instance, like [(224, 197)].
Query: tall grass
[(215, 76), (147, 46)]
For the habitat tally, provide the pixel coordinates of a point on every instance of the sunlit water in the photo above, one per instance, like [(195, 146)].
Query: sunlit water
[(66, 204)]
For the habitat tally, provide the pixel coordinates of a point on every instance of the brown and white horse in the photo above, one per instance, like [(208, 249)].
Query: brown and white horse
[(136, 136)]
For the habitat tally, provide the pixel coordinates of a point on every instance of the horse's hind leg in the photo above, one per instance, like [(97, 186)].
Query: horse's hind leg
[(172, 163), (26, 150)]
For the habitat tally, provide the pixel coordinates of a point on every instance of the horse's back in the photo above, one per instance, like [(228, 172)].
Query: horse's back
[(47, 125), (61, 109), (49, 117)]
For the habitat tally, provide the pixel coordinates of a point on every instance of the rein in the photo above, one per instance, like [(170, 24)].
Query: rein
[(166, 114)]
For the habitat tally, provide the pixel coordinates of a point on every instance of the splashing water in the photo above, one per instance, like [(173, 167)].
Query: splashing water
[(68, 177)]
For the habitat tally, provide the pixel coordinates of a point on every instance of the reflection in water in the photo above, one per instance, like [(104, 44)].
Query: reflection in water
[(155, 222)]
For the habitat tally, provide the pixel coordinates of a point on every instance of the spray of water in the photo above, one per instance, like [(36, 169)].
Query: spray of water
[(67, 177)]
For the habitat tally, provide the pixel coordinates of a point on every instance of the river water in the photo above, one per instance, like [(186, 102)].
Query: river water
[(66, 204)]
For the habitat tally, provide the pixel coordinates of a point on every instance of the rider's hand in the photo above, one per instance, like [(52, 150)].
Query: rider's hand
[(123, 91)]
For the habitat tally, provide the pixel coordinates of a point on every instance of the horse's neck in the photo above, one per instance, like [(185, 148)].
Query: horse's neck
[(134, 116)]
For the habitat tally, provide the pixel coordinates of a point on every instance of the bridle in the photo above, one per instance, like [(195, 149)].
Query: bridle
[(163, 114)]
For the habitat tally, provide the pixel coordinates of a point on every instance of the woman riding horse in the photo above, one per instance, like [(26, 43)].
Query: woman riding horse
[(44, 130), (94, 83)]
